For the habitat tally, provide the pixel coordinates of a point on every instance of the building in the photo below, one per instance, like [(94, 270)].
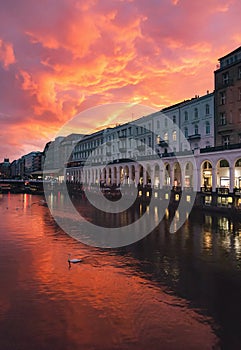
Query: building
[(195, 119), (228, 100), (32, 163), (5, 168)]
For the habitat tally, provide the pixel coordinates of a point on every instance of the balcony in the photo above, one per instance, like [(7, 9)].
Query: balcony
[(122, 149), (206, 189), (188, 189), (141, 148), (222, 190), (176, 188), (220, 148), (194, 137), (162, 143), (224, 84), (225, 128), (237, 191)]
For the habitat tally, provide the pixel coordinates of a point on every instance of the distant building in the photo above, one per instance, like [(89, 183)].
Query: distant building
[(5, 168), (228, 100), (32, 163)]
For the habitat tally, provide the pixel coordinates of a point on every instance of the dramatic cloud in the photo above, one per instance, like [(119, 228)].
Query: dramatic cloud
[(6, 54), (60, 57)]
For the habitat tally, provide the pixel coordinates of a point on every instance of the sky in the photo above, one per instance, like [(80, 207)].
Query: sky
[(59, 58)]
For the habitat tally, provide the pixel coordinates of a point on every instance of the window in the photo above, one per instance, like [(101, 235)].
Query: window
[(239, 93), (174, 119), (186, 132), (223, 163), (207, 126), (223, 119), (165, 122), (239, 72), (196, 129), (207, 165), (225, 78), (195, 113), (222, 98), (158, 124), (239, 115), (226, 140), (207, 108), (238, 163), (165, 136), (174, 136), (149, 141), (186, 116)]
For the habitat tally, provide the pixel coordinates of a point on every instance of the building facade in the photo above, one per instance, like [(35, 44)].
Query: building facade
[(195, 119), (228, 100)]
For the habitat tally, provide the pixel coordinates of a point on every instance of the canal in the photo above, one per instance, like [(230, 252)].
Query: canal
[(166, 291)]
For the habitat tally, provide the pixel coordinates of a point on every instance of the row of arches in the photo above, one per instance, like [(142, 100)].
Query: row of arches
[(210, 175)]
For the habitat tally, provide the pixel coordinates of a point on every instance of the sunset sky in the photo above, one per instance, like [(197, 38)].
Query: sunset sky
[(61, 57)]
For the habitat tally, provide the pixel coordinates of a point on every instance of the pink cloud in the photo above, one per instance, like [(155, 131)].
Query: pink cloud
[(58, 58), (7, 56)]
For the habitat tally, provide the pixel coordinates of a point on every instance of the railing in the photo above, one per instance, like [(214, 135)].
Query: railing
[(194, 136), (206, 189), (162, 143), (222, 190), (176, 188), (237, 191), (141, 148), (220, 148), (188, 189)]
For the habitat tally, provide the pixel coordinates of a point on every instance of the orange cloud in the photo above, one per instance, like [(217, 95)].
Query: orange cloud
[(65, 59), (7, 56)]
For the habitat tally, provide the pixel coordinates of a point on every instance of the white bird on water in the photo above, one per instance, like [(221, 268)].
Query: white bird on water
[(74, 261)]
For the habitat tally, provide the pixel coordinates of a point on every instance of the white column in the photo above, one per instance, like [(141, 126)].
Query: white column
[(144, 176), (137, 175), (171, 175), (196, 180), (162, 176), (118, 175), (214, 179), (183, 167), (231, 179)]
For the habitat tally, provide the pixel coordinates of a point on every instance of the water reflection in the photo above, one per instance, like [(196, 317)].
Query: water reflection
[(166, 291)]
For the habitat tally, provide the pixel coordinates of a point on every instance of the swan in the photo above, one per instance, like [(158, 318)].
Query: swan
[(74, 261)]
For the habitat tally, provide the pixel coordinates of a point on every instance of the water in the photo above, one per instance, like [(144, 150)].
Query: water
[(167, 291)]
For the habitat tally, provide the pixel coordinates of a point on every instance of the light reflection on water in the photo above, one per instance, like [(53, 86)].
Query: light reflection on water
[(159, 293)]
